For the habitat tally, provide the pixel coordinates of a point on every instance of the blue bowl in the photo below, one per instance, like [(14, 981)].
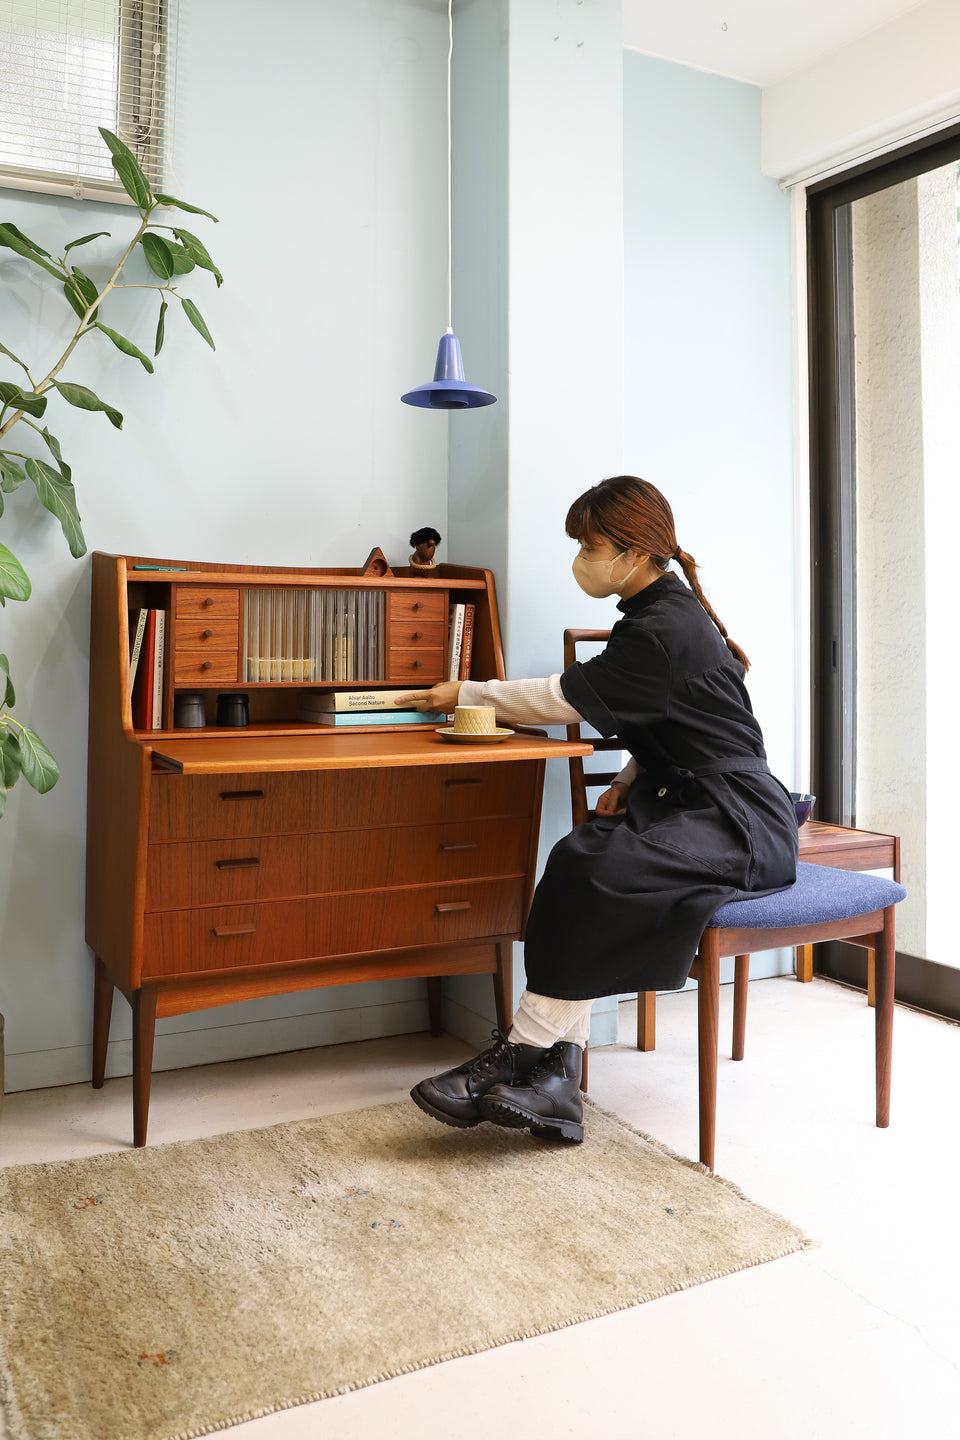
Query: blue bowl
[(803, 805)]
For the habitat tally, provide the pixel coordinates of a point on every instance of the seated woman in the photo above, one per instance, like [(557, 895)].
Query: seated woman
[(696, 818)]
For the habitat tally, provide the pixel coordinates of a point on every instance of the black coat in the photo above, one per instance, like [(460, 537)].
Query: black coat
[(623, 900)]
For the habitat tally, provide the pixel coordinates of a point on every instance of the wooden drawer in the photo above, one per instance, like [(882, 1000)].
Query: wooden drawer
[(415, 605), (224, 872), (208, 807), (409, 634), (425, 667), (205, 667), (195, 633), (183, 942), (207, 602)]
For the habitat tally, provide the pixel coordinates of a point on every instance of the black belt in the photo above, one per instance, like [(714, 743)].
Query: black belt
[(678, 775)]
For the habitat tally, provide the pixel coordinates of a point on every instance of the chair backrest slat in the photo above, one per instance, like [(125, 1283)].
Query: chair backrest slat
[(579, 779)]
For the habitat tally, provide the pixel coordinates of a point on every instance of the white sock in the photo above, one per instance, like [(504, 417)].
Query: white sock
[(542, 1020)]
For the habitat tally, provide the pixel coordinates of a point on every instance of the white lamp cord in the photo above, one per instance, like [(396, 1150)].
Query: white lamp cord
[(449, 179)]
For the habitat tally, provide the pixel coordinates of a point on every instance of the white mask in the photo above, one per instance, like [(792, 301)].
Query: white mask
[(593, 576)]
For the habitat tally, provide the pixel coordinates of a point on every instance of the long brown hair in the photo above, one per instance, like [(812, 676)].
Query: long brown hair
[(633, 514)]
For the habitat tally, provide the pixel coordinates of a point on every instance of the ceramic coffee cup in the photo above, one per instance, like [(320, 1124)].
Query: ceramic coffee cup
[(474, 719)]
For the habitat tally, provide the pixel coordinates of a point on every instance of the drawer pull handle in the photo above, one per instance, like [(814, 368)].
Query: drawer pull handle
[(448, 848), (207, 665), (244, 862), (449, 905), (418, 634), (465, 780), (417, 664), (206, 635), (418, 605), (207, 602), (223, 932), (241, 794)]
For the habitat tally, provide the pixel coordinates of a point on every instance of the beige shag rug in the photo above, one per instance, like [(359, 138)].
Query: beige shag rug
[(177, 1290)]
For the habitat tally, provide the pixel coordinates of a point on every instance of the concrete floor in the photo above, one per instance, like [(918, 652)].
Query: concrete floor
[(859, 1337)]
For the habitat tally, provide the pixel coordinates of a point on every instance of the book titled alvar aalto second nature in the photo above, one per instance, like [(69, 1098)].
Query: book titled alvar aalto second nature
[(356, 700)]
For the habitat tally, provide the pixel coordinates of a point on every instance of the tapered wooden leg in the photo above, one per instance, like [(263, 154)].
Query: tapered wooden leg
[(871, 977), (503, 985), (144, 1026), (885, 979), (435, 1003), (584, 1073), (647, 1020), (741, 983), (804, 959), (708, 1034), (102, 1009)]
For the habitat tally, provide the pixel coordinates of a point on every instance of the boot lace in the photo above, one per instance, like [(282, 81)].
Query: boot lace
[(492, 1058)]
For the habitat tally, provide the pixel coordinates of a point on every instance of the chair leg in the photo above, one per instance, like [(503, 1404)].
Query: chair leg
[(647, 1020), (585, 1071), (741, 982), (708, 1033), (872, 978), (804, 962), (885, 977)]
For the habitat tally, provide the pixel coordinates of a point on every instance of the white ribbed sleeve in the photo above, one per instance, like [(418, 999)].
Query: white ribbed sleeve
[(531, 702)]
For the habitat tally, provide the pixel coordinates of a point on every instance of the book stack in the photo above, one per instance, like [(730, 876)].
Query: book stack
[(146, 669), (460, 641), (363, 707)]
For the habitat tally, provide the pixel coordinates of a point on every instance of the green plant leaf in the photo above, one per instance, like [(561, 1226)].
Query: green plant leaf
[(11, 394), (85, 239), (11, 237), (199, 253), (37, 764), (27, 241), (10, 762), (53, 445), (15, 358), (14, 580), (11, 474), (183, 261), (127, 167), (85, 399), (11, 698), (197, 321), (56, 494), (157, 255), (182, 205), (127, 346), (159, 344), (81, 291)]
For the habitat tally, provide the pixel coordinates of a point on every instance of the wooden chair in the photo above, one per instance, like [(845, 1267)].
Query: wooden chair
[(824, 904)]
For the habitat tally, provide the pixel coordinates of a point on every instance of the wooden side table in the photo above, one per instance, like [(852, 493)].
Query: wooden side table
[(845, 849)]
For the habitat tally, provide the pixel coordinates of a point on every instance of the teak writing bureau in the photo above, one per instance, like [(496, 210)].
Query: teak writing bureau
[(229, 864)]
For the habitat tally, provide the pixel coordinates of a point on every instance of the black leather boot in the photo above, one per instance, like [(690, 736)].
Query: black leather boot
[(548, 1102), (452, 1097)]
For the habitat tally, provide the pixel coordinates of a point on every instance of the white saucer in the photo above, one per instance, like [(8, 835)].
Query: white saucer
[(481, 737)]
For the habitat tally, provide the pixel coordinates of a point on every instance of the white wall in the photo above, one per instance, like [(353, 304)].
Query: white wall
[(708, 375), (897, 81), (287, 446)]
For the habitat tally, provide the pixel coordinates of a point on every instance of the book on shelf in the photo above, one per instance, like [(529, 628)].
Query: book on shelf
[(466, 650), (455, 640), (156, 714), (142, 698), (355, 699), (137, 646), (372, 717)]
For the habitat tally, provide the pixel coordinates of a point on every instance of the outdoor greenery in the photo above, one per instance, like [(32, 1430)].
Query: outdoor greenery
[(170, 251)]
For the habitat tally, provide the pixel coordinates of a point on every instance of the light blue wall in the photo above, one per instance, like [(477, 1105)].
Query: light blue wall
[(708, 370), (315, 132)]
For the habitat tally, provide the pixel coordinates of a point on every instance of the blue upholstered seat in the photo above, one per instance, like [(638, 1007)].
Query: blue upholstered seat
[(820, 895)]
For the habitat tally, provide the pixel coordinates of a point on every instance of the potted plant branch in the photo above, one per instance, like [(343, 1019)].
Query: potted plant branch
[(169, 251)]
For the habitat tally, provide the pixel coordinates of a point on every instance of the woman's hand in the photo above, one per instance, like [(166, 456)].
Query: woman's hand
[(614, 800), (442, 697)]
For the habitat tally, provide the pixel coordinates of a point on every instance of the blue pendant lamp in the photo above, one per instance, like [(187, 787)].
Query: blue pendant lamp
[(448, 390)]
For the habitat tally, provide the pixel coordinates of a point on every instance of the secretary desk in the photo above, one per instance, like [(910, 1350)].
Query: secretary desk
[(227, 864)]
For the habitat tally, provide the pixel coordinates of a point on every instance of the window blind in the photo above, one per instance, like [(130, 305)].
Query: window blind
[(69, 66)]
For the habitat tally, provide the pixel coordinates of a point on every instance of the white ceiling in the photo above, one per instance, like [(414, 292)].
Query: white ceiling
[(760, 41)]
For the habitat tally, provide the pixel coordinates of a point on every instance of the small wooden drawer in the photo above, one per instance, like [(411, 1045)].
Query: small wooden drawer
[(209, 807), (205, 667), (183, 942), (409, 634), (227, 872), (415, 605), (207, 602), (194, 633), (426, 667)]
